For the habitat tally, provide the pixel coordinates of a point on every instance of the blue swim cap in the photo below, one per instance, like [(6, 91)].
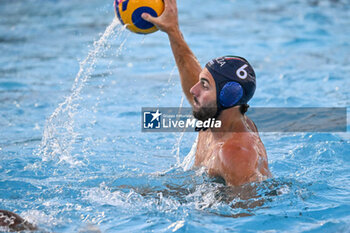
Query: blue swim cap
[(235, 81)]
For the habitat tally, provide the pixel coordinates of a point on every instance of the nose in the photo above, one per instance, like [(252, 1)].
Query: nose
[(195, 90)]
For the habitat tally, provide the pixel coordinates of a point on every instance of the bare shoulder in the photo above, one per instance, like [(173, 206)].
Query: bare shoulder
[(241, 147), (240, 157)]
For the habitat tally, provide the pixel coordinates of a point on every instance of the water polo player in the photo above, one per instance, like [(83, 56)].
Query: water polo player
[(222, 90)]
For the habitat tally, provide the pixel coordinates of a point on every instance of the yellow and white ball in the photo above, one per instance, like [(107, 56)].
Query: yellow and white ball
[(129, 13)]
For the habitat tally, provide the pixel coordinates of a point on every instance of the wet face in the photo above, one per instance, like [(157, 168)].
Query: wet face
[(204, 96)]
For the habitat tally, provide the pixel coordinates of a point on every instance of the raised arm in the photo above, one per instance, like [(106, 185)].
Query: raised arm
[(188, 65)]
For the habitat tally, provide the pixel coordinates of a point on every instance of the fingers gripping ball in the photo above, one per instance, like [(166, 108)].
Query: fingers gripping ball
[(129, 13)]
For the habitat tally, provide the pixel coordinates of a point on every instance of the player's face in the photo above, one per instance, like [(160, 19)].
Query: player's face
[(204, 96)]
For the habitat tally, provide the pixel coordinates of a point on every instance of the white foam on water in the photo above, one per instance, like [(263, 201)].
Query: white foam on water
[(188, 161), (176, 225), (40, 218), (130, 201), (59, 134), (104, 196)]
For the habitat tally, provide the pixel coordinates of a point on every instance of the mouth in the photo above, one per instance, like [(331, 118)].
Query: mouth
[(195, 102)]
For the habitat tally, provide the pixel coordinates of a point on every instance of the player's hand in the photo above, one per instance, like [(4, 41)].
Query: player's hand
[(168, 20)]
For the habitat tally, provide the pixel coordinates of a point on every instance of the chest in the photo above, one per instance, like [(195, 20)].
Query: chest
[(207, 154)]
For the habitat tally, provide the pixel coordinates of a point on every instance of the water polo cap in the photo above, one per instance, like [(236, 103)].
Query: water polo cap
[(235, 81)]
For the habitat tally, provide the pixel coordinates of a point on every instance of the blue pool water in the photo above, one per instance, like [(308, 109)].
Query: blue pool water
[(72, 154)]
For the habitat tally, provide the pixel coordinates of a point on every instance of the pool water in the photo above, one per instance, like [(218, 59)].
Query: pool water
[(72, 85)]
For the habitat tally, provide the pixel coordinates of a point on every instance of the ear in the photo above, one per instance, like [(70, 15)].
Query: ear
[(230, 94)]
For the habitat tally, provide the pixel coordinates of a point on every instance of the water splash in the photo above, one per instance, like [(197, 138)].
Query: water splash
[(187, 162), (179, 139), (59, 135), (189, 159)]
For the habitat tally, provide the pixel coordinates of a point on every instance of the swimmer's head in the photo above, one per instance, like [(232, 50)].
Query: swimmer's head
[(234, 80)]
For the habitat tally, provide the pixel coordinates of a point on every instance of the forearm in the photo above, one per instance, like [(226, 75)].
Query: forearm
[(188, 65)]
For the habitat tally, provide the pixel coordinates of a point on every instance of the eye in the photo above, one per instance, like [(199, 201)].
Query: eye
[(204, 84)]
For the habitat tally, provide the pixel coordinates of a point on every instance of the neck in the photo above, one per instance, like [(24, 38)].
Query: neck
[(232, 120)]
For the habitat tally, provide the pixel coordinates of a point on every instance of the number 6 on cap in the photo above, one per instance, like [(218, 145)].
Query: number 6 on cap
[(242, 70)]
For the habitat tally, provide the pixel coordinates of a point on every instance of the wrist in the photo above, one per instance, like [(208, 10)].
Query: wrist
[(174, 32)]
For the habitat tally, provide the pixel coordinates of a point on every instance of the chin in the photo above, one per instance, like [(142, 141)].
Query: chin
[(204, 113)]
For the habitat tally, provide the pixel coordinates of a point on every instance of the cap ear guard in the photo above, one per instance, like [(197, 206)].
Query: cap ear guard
[(230, 94)]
